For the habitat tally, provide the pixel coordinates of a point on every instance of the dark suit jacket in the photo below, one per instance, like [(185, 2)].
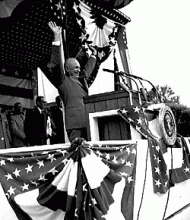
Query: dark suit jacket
[(72, 91), (5, 137), (57, 117), (35, 127), (17, 130)]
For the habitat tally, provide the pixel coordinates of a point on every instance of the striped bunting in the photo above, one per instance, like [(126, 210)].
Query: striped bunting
[(85, 182)]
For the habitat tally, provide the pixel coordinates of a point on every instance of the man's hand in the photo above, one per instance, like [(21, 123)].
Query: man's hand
[(56, 29)]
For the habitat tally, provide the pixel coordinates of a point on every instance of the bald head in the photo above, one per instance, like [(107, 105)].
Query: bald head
[(72, 67)]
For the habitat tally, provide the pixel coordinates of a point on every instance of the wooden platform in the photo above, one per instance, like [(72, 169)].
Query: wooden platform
[(102, 108)]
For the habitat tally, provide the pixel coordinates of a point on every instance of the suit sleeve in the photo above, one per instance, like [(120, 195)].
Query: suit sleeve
[(54, 69), (89, 67), (14, 129)]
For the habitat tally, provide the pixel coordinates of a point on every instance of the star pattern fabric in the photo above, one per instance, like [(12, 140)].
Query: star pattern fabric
[(26, 39), (135, 116), (86, 182), (182, 173)]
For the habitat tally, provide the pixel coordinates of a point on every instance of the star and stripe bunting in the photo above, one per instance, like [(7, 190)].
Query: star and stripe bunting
[(86, 182), (135, 115), (182, 173), (26, 39), (14, 86)]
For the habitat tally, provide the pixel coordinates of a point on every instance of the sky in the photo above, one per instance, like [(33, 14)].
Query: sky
[(159, 43)]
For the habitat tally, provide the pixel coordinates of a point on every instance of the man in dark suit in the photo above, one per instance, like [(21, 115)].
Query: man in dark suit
[(71, 85), (36, 123), (57, 117), (17, 126), (5, 136)]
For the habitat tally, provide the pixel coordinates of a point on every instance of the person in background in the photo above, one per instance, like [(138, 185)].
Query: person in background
[(72, 85), (5, 136), (57, 117), (37, 124), (16, 123)]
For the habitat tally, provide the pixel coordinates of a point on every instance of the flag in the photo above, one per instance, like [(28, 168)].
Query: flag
[(14, 86), (122, 159), (95, 26), (112, 3), (182, 173), (116, 76), (121, 3), (26, 39), (159, 167), (122, 38), (85, 182), (135, 115)]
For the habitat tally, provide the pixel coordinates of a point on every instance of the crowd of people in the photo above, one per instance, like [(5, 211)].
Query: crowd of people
[(40, 126)]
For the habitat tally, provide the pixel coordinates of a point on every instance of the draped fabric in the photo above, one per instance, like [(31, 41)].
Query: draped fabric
[(95, 25), (182, 173), (84, 182), (112, 3), (135, 115), (25, 38), (7, 6), (13, 88)]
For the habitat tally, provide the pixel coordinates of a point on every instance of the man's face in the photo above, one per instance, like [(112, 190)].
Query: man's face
[(42, 104), (19, 108), (73, 67)]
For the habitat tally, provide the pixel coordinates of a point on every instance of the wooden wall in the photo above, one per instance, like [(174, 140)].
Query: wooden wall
[(110, 127)]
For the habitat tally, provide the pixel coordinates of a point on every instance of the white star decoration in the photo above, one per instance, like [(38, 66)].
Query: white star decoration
[(99, 153), (186, 169), (29, 168), (9, 176), (122, 161), (75, 7), (25, 187), (137, 109), (34, 183), (84, 187), (11, 159), (11, 190), (58, 6), (107, 156), (138, 128), (158, 183), (115, 159), (123, 174), (100, 55), (139, 121), (40, 163), (124, 111), (2, 162), (16, 172), (130, 179), (158, 148), (53, 171), (134, 151), (128, 150), (51, 157), (157, 170), (65, 161), (42, 178), (128, 164), (83, 37), (94, 201)]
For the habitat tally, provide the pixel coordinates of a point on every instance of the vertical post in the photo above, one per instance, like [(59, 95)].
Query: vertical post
[(116, 76), (123, 50)]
